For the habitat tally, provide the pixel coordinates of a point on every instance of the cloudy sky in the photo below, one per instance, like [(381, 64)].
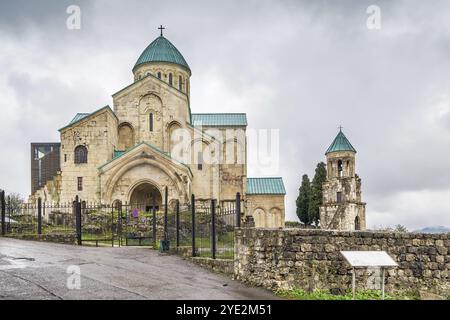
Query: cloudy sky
[(303, 67)]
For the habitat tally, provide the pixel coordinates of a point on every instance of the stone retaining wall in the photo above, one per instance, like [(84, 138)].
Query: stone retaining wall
[(310, 259), (65, 238), (225, 266)]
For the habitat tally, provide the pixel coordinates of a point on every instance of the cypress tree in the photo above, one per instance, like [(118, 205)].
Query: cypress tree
[(303, 200), (316, 193)]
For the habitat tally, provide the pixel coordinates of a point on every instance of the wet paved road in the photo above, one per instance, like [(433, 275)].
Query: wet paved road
[(37, 270)]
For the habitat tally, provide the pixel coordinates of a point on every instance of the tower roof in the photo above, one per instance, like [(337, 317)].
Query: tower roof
[(340, 143), (162, 50)]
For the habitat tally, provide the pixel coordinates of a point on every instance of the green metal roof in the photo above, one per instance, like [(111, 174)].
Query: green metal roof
[(265, 186), (340, 143), (118, 153), (80, 116), (219, 119), (162, 50)]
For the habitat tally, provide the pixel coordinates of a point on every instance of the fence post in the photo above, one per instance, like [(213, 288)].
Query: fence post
[(3, 207), (112, 226), (154, 218), (8, 225), (166, 198), (193, 224), (178, 223), (238, 210), (39, 229), (213, 228), (119, 222), (77, 206)]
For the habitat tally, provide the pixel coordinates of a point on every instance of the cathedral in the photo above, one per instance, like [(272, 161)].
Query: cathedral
[(149, 140)]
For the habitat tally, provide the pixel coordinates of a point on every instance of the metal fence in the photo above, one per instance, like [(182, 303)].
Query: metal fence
[(203, 228)]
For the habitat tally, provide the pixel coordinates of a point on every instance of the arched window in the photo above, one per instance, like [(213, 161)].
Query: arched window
[(357, 224), (170, 79), (126, 136), (81, 154), (180, 83), (340, 168), (159, 75), (150, 121), (200, 161)]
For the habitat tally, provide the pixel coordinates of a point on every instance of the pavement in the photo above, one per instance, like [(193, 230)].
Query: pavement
[(38, 270)]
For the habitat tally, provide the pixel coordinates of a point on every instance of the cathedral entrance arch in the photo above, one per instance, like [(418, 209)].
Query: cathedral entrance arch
[(142, 194)]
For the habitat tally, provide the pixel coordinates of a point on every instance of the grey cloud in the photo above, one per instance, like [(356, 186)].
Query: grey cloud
[(304, 67)]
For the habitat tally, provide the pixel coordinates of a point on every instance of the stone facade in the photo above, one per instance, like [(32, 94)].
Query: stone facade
[(148, 142), (342, 207), (268, 210), (311, 259)]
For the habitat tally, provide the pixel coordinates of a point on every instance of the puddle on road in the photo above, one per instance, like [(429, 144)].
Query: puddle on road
[(8, 262), (22, 258)]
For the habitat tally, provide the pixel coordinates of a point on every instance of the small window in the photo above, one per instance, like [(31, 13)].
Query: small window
[(199, 161), (150, 121), (339, 197), (180, 83), (80, 183), (81, 154), (159, 75), (170, 79), (65, 157)]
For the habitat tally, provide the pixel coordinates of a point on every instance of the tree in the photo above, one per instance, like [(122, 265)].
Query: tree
[(316, 193), (15, 199), (303, 200), (400, 228)]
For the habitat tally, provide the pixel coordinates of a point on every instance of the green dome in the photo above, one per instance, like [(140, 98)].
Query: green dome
[(162, 50), (340, 143)]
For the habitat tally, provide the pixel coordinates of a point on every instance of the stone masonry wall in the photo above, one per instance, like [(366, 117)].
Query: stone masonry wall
[(310, 259), (267, 210), (65, 238)]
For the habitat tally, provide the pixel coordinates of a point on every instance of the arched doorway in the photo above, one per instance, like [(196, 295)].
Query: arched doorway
[(357, 223), (142, 197)]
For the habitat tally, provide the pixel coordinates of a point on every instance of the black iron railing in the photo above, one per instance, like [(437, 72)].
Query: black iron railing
[(202, 228)]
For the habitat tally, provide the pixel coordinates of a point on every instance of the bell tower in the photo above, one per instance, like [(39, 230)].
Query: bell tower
[(342, 207)]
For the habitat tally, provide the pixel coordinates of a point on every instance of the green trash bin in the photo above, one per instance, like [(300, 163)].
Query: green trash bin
[(164, 245)]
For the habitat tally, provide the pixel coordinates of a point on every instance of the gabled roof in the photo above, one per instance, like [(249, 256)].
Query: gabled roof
[(340, 143), (81, 116), (265, 186), (120, 154), (161, 81), (78, 117), (162, 50), (219, 119)]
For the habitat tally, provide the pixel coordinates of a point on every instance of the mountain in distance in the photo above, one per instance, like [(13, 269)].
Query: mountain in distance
[(433, 229)]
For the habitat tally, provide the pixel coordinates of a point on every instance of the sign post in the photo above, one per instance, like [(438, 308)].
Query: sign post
[(365, 259)]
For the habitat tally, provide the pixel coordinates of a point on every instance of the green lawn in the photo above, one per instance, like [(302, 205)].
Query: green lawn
[(298, 294)]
